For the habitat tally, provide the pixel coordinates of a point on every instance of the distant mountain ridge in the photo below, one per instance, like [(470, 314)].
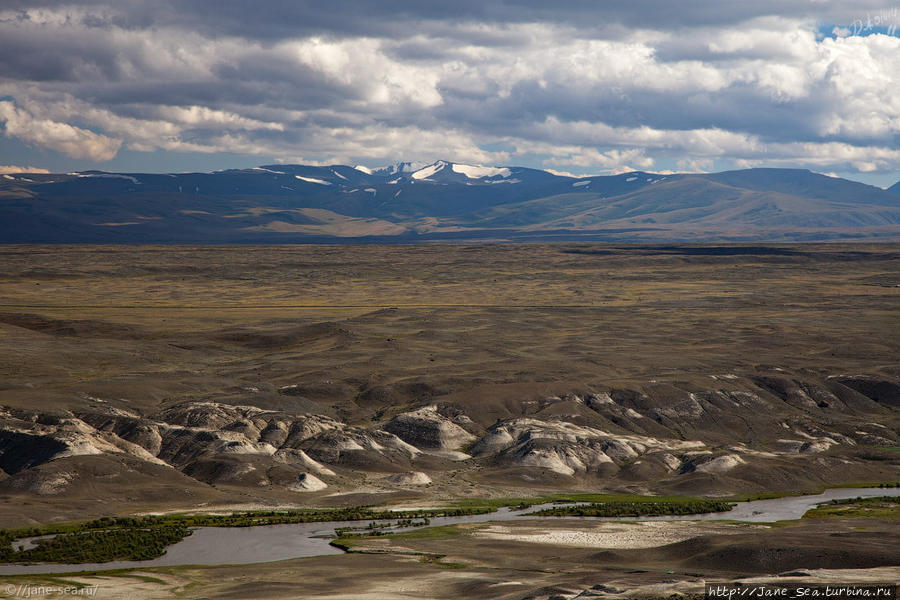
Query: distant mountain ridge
[(412, 202)]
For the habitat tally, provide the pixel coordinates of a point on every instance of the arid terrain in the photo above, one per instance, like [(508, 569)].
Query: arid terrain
[(555, 559), (151, 378)]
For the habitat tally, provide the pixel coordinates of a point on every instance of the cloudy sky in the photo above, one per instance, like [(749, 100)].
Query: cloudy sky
[(569, 86)]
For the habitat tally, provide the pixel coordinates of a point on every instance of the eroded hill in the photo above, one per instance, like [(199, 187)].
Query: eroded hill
[(148, 378)]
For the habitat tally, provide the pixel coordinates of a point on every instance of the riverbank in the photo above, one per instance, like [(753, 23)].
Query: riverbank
[(257, 544)]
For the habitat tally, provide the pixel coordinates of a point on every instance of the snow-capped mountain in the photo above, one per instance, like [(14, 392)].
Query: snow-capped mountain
[(410, 201), (443, 171), (398, 169), (439, 172)]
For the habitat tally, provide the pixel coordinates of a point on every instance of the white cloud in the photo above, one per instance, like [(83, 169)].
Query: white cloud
[(10, 169), (340, 145), (62, 137), (611, 161), (569, 174), (361, 64), (202, 116), (695, 165), (620, 91), (834, 155)]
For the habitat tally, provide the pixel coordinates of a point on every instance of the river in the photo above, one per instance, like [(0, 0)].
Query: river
[(247, 545)]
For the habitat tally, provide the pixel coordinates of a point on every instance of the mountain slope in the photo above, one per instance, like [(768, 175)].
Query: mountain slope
[(409, 202), (692, 201), (800, 182)]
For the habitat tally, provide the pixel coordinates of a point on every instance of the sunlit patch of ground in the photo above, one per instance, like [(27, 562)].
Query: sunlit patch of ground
[(608, 534)]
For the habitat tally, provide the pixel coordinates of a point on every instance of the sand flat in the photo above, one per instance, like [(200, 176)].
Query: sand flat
[(643, 534)]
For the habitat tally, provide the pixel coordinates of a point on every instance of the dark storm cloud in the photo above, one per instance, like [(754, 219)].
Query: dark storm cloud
[(579, 81), (288, 19)]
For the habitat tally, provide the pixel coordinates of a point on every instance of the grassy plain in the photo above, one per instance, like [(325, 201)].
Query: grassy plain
[(362, 333), (153, 324)]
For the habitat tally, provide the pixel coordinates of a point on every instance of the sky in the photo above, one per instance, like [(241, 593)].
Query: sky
[(581, 87)]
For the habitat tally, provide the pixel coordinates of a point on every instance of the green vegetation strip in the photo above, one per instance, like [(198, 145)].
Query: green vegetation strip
[(97, 546), (521, 503), (880, 507), (347, 542), (375, 528), (635, 509)]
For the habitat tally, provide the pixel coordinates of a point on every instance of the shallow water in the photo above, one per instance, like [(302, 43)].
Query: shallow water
[(792, 507), (247, 545)]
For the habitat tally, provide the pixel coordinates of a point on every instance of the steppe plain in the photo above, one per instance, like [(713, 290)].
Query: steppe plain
[(154, 378)]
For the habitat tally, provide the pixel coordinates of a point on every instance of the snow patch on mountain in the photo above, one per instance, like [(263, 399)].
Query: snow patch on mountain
[(313, 180), (496, 174), (429, 170), (479, 172), (104, 176)]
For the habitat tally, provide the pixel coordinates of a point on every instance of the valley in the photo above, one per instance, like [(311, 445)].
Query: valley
[(162, 379)]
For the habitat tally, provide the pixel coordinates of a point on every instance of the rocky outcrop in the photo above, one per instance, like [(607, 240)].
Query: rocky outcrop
[(813, 446), (720, 464), (333, 445), (299, 458), (566, 448), (210, 442), (428, 429), (211, 415), (29, 438), (411, 478), (661, 433), (308, 483), (881, 391), (20, 450), (43, 484)]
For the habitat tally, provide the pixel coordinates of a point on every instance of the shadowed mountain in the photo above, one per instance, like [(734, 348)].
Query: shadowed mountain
[(800, 182), (441, 201)]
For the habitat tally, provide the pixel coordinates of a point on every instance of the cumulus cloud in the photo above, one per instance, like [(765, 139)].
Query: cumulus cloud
[(68, 139), (572, 86), (10, 169)]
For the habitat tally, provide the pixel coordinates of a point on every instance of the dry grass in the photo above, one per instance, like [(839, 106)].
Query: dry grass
[(367, 331)]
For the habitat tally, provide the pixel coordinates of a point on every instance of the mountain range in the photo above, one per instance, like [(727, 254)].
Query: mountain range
[(409, 202)]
